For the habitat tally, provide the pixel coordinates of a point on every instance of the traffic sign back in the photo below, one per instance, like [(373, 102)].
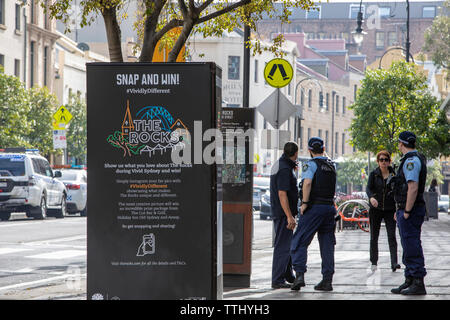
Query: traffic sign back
[(278, 73)]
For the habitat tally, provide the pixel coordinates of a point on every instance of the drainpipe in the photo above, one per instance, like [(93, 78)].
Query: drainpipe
[(25, 44)]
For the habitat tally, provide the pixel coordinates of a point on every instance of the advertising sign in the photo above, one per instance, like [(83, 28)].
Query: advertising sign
[(152, 226), (59, 139)]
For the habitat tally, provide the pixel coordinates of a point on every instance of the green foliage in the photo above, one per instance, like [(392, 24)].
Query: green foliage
[(434, 171), (14, 110), (437, 38), (77, 131), (349, 170), (391, 101), (43, 105)]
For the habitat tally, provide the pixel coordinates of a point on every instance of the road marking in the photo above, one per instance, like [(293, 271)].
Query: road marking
[(32, 283), (11, 250), (41, 242), (24, 270), (64, 254)]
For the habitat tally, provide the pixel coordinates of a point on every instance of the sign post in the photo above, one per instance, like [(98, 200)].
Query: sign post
[(61, 119)]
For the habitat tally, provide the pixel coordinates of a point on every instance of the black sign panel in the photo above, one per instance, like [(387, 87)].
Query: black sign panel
[(152, 224)]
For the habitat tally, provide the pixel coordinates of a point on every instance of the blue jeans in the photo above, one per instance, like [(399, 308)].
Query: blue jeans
[(318, 218)]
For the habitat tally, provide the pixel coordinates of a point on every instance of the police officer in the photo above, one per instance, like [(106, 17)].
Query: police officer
[(408, 194), (317, 214), (284, 207)]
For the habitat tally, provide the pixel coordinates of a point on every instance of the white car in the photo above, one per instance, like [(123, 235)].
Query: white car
[(28, 184), (76, 185), (443, 202)]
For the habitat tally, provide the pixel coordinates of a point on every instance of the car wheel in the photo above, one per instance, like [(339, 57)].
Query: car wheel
[(262, 217), (83, 212), (60, 213), (4, 216), (42, 214)]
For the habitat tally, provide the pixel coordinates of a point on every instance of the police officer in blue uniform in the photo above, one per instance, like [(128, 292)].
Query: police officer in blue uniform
[(317, 214), (409, 186), (284, 207)]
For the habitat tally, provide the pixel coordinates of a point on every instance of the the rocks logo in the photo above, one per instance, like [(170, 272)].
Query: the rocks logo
[(152, 130)]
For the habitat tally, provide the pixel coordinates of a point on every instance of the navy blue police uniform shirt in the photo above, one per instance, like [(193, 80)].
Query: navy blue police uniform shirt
[(283, 179)]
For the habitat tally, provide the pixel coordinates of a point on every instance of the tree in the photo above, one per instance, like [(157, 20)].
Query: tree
[(159, 17), (76, 133), (43, 105), (437, 38), (350, 170), (394, 100), (14, 109)]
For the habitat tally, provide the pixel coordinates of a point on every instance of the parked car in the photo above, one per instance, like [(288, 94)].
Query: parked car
[(260, 185), (443, 203), (76, 185), (28, 184), (266, 211)]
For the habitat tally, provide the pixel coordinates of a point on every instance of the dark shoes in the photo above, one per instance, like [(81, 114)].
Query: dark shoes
[(298, 282), (415, 289), (395, 267), (289, 278), (324, 285), (281, 285), (408, 282)]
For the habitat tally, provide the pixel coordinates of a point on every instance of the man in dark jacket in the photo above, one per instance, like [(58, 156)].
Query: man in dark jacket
[(382, 207), (284, 206)]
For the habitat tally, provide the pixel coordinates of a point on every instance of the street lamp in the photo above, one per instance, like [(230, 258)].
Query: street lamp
[(358, 34)]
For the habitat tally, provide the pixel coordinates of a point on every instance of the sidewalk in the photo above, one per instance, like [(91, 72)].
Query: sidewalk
[(353, 278)]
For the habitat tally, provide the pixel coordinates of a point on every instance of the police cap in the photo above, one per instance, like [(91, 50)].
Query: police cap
[(315, 144), (407, 138)]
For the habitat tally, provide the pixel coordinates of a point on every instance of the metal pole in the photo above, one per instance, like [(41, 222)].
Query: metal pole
[(246, 86), (408, 44), (332, 124)]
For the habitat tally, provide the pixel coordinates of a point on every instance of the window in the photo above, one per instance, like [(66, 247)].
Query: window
[(256, 71), (321, 35), (289, 88), (320, 133), (32, 53), (231, 105), (344, 102), (2, 60), (309, 98), (337, 104), (429, 12), (355, 90), (309, 134), (313, 13), (2, 11), (379, 41), (45, 65), (345, 36), (343, 144), (327, 101), (392, 38), (233, 67), (384, 12), (301, 138), (326, 140), (17, 68), (336, 143), (302, 97), (18, 17), (354, 9)]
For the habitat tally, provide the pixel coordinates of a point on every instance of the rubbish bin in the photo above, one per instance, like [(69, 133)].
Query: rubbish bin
[(431, 201)]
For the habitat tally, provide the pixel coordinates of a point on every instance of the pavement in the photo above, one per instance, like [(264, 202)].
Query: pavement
[(353, 279)]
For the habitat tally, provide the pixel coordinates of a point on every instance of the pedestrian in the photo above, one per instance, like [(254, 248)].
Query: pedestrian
[(382, 207), (408, 194), (433, 186), (317, 214), (284, 207)]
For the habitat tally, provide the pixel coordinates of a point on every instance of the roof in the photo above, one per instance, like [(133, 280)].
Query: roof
[(357, 57), (314, 62), (332, 52)]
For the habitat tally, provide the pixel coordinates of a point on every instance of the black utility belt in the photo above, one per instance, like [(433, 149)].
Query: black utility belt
[(403, 206), (329, 202)]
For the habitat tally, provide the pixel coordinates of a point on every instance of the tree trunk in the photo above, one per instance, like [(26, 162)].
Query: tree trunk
[(113, 34), (187, 29)]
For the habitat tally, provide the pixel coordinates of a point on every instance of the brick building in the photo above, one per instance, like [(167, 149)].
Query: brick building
[(384, 22)]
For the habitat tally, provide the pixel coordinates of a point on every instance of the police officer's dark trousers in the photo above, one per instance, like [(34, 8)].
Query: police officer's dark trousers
[(318, 218), (410, 230), (281, 263)]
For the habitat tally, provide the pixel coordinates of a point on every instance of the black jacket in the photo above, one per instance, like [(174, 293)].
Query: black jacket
[(376, 188)]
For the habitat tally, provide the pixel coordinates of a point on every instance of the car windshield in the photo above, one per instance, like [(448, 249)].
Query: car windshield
[(444, 198), (261, 182), (12, 165)]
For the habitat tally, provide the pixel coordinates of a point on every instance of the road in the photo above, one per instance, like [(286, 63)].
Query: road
[(37, 253)]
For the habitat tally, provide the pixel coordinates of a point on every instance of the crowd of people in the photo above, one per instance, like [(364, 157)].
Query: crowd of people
[(395, 197)]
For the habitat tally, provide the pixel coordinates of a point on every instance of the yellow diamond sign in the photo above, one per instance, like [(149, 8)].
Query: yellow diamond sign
[(278, 73), (62, 115)]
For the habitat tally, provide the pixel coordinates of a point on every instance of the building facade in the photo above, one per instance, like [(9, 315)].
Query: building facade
[(384, 22)]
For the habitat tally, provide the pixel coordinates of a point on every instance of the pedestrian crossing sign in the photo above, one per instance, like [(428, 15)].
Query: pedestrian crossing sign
[(62, 115), (278, 73)]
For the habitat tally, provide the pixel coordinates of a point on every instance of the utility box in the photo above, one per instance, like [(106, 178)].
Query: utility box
[(154, 229), (431, 203)]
